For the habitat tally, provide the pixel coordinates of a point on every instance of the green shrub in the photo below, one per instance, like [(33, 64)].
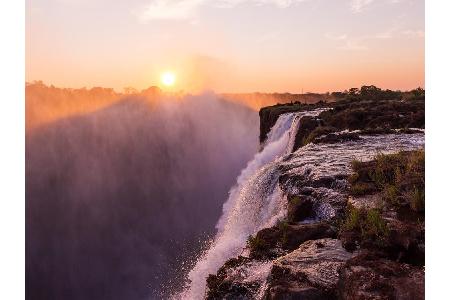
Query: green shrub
[(390, 194), (416, 199), (362, 188), (352, 220), (369, 225), (255, 243), (374, 225), (399, 177)]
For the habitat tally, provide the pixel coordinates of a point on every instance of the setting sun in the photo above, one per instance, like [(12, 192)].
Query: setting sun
[(168, 78)]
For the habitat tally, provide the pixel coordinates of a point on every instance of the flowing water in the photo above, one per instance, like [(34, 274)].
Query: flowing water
[(257, 200)]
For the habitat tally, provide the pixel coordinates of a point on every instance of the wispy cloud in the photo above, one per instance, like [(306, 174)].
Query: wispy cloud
[(334, 37), (359, 5), (188, 9), (413, 33), (358, 43), (169, 10), (353, 45), (347, 43)]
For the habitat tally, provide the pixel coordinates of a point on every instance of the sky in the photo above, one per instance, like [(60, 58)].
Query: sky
[(227, 45)]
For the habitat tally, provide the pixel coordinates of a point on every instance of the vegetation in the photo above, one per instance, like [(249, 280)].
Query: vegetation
[(399, 177), (367, 224), (256, 244), (369, 109), (371, 92)]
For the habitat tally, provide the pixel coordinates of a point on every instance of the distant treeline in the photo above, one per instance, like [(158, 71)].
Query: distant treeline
[(371, 92), (366, 92)]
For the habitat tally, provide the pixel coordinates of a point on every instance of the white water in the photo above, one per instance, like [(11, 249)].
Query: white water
[(255, 202)]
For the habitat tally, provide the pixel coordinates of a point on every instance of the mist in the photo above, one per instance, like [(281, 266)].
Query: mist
[(118, 198)]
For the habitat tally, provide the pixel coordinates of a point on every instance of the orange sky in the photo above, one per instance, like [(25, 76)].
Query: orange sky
[(228, 45)]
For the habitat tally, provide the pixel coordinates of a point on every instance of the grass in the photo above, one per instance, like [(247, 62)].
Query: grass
[(283, 226), (400, 178), (256, 244), (368, 225)]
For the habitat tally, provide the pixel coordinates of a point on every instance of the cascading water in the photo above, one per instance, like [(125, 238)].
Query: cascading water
[(258, 199), (254, 203)]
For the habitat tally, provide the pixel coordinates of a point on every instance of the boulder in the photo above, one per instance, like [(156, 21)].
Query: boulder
[(334, 138), (287, 237), (300, 208), (309, 272), (367, 276)]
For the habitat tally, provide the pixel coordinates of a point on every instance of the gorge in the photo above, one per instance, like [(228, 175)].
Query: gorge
[(288, 227)]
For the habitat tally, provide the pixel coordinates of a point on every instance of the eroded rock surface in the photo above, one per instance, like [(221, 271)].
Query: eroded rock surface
[(310, 272), (369, 277)]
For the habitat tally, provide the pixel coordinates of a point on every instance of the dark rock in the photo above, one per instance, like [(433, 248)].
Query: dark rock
[(292, 286), (310, 272), (295, 235), (370, 277), (300, 208), (268, 116), (289, 237), (406, 242), (221, 286), (306, 126), (334, 138)]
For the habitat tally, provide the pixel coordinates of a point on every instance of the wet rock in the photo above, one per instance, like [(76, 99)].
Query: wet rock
[(329, 182), (309, 272), (300, 208), (287, 237), (306, 126), (365, 201), (239, 278), (334, 138), (322, 198), (367, 276), (268, 115), (297, 234)]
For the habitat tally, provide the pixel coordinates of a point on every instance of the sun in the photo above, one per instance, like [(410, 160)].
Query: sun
[(168, 78)]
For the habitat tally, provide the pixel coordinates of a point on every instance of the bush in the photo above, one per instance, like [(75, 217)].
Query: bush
[(256, 244), (399, 177), (362, 188), (416, 199), (368, 225)]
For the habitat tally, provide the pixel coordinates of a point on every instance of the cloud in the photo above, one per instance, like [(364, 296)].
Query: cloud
[(358, 43), (413, 33), (187, 9), (353, 45), (170, 10), (358, 5), (336, 37), (347, 43)]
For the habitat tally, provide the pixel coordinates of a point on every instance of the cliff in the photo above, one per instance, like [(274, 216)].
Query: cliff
[(351, 229)]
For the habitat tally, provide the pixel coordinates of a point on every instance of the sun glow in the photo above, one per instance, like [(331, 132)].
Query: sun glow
[(168, 78)]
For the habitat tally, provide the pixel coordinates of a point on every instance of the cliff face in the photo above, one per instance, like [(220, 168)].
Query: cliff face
[(268, 116), (370, 117), (351, 229)]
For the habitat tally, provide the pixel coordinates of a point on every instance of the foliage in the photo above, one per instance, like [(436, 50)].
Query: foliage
[(399, 177), (369, 225), (255, 243), (369, 92)]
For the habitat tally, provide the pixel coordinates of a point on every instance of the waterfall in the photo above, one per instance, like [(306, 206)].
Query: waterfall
[(255, 202)]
